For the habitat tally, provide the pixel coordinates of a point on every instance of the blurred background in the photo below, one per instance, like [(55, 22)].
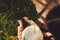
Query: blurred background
[(10, 12)]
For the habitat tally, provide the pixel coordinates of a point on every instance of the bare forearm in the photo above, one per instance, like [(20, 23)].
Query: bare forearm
[(20, 29)]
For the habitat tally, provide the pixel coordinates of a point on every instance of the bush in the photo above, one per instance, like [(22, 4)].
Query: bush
[(10, 15)]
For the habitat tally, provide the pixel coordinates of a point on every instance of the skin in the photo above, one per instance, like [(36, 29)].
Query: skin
[(20, 29), (28, 21), (31, 22)]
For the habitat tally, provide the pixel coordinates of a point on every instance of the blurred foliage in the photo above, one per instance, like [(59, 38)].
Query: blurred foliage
[(10, 12), (7, 27), (24, 8)]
